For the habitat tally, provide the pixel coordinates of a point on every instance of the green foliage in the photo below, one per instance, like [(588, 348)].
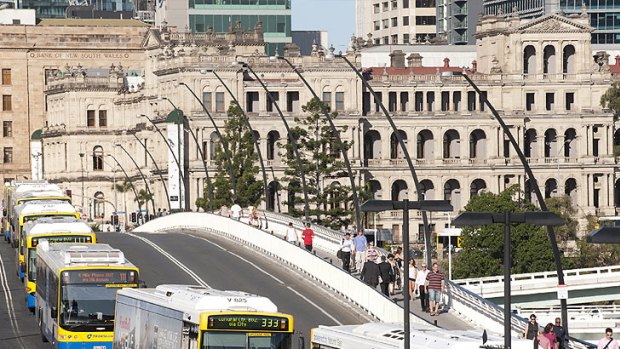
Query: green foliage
[(482, 253), (143, 197), (563, 206), (329, 200), (611, 98), (243, 156), (123, 187)]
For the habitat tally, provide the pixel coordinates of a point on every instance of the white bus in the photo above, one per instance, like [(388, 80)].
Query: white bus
[(381, 335), (76, 293), (195, 317)]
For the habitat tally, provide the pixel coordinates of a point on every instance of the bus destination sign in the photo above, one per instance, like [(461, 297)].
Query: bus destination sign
[(58, 239), (242, 322), (102, 276)]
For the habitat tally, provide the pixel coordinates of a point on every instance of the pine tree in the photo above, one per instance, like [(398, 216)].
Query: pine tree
[(329, 200), (244, 159)]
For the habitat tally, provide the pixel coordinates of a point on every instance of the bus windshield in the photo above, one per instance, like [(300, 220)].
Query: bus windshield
[(240, 340), (35, 217), (32, 264), (87, 304)]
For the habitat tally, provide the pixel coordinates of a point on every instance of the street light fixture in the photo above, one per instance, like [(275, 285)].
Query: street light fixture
[(335, 131), (135, 193), (146, 184), (82, 177), (507, 219), (403, 146), (534, 185), (161, 177), (291, 137), (406, 205)]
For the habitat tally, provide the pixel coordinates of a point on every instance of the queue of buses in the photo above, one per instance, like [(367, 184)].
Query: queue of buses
[(87, 295)]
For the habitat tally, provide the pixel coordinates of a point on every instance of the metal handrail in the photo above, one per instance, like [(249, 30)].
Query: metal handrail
[(539, 275)]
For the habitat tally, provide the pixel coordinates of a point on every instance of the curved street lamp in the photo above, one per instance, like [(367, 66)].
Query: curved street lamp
[(135, 193), (290, 136), (403, 146), (219, 134), (335, 131), (176, 160), (163, 182), (146, 183), (533, 184)]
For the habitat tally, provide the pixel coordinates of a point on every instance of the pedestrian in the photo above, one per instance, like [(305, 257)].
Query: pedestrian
[(371, 252), (550, 334), (370, 274), (224, 212), (435, 285), (307, 235), (394, 274), (607, 342), (361, 245), (159, 212), (560, 334), (543, 341), (256, 218), (236, 211), (531, 328), (422, 274), (291, 234), (386, 274), (250, 215), (164, 212), (413, 273), (398, 258), (346, 248)]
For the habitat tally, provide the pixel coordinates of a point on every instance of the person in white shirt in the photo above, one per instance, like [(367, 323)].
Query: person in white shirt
[(291, 234), (607, 342), (347, 246), (422, 274), (237, 211)]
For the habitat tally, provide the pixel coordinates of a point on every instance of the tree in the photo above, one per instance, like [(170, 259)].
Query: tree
[(563, 206), (482, 253), (243, 156), (329, 200), (611, 98), (124, 187), (143, 197)]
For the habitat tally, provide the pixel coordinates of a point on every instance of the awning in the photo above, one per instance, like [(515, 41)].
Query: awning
[(604, 235)]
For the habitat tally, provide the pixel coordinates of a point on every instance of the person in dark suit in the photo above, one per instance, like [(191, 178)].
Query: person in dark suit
[(370, 274), (386, 273)]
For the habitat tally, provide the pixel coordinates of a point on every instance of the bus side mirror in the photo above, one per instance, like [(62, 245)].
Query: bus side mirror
[(301, 344), (142, 284), (54, 313)]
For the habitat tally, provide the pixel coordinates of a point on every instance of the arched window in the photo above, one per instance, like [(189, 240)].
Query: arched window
[(427, 189), (396, 152), (551, 143), (531, 145), (529, 60), (551, 188), (549, 60), (570, 143), (568, 59), (375, 189), (476, 187), (272, 142), (477, 144), (451, 144), (570, 189), (214, 145), (273, 196), (98, 158), (399, 190), (99, 205), (425, 145), (452, 193), (372, 145)]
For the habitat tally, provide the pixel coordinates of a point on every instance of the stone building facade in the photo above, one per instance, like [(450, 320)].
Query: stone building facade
[(539, 74)]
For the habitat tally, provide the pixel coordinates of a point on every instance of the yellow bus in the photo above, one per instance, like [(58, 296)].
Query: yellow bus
[(6, 211), (32, 211), (76, 293), (182, 316), (52, 230)]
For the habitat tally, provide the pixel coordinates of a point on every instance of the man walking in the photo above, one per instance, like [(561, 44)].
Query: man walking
[(435, 285), (307, 235), (237, 211), (346, 248), (370, 274), (385, 271), (560, 333), (422, 274), (291, 234), (361, 245), (607, 342)]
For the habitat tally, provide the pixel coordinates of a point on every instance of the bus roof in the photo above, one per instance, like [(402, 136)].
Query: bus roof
[(194, 300), (42, 228), (42, 193), (21, 188), (612, 218), (79, 255), (44, 206)]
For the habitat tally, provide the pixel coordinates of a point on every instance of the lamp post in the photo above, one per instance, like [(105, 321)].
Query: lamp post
[(135, 193), (533, 184), (406, 205), (161, 177), (146, 183), (254, 139), (176, 160), (403, 146), (291, 137), (82, 177), (227, 153), (341, 147), (507, 219), (200, 152)]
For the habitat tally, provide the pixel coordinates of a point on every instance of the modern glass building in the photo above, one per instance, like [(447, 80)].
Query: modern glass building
[(82, 8), (219, 14), (604, 14)]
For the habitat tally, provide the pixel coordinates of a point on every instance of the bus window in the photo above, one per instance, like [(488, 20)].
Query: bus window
[(219, 340), (268, 341)]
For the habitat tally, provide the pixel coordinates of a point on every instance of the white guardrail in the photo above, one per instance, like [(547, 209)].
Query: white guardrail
[(470, 306)]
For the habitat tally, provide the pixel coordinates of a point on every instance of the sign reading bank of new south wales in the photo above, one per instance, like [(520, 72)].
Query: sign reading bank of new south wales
[(80, 55)]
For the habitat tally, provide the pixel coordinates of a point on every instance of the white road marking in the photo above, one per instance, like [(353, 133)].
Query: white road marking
[(172, 259), (273, 277), (9, 304)]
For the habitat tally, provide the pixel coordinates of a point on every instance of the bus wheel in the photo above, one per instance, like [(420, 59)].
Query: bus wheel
[(43, 338)]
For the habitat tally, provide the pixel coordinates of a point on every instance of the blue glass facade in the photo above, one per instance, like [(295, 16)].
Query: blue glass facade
[(58, 8)]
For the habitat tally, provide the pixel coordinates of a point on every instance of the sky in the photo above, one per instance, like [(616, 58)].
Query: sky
[(337, 17)]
